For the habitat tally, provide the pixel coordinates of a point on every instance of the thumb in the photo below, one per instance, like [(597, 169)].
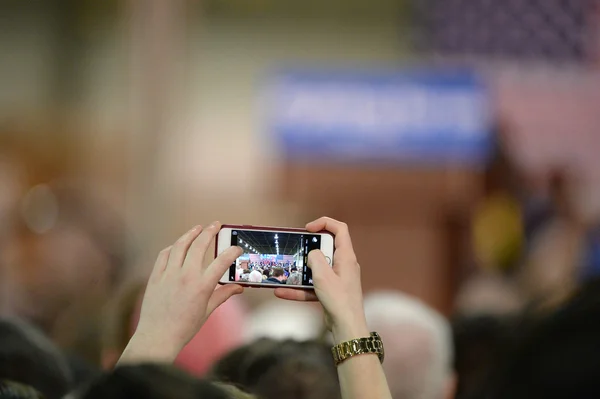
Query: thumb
[(221, 294), (319, 265)]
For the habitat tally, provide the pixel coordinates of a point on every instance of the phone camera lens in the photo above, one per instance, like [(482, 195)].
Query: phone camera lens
[(314, 239)]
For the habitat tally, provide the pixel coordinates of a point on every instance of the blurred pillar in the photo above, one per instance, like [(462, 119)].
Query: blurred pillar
[(69, 52), (157, 29)]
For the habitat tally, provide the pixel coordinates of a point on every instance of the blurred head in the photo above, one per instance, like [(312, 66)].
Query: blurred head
[(559, 357), (64, 259), (152, 382), (14, 390), (255, 276), (480, 343), (418, 346), (278, 273), (284, 320), (282, 369), (232, 367), (28, 357), (294, 279)]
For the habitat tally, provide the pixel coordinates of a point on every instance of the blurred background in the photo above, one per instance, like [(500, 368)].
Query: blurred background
[(458, 139)]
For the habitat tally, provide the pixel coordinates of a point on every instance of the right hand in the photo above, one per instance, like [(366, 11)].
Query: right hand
[(338, 288)]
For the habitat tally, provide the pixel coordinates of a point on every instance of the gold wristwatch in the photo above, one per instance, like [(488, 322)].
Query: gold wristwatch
[(372, 344)]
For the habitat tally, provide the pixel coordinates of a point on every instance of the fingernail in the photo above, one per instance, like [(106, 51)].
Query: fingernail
[(214, 224), (196, 228)]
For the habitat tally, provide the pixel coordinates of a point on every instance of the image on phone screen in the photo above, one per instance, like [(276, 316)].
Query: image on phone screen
[(273, 257)]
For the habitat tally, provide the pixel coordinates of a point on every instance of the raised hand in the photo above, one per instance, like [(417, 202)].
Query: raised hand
[(180, 296), (338, 288)]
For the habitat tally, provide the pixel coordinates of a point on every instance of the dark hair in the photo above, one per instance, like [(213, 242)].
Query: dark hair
[(81, 370), (232, 367), (282, 369), (151, 381), (480, 342), (559, 357), (277, 272), (14, 390), (294, 269), (29, 358)]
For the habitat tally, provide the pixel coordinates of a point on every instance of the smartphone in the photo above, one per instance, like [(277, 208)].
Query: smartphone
[(273, 256)]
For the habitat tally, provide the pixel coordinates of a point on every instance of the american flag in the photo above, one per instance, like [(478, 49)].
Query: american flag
[(537, 30)]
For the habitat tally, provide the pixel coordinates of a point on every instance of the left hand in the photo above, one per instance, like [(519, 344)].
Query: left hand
[(180, 296)]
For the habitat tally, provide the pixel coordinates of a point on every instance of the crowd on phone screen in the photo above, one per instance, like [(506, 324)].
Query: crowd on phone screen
[(285, 274)]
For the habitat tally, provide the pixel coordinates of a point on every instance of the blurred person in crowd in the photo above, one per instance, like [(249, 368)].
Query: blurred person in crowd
[(590, 257), (220, 334), (306, 373), (49, 213), (14, 390), (498, 220), (559, 355), (488, 294), (480, 344), (233, 366), (28, 357), (277, 276), (283, 320), (183, 291), (281, 369), (255, 277), (60, 231), (419, 340), (246, 275), (150, 381), (551, 272), (294, 279), (239, 271)]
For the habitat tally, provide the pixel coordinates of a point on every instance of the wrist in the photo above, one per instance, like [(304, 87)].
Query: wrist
[(349, 330), (150, 348)]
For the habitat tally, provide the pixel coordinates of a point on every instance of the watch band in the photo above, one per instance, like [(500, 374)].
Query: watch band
[(345, 350)]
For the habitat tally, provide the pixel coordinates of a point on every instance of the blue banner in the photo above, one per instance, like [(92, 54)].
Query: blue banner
[(424, 117)]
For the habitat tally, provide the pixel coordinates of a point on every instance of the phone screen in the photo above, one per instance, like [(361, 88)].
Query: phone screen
[(273, 257)]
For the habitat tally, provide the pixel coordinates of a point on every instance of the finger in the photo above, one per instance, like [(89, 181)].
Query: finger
[(195, 256), (161, 263), (319, 266), (221, 294), (181, 247), (221, 264), (339, 229), (292, 294)]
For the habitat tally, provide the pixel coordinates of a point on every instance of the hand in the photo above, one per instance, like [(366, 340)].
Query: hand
[(338, 288), (181, 295)]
